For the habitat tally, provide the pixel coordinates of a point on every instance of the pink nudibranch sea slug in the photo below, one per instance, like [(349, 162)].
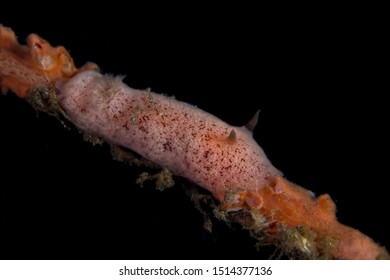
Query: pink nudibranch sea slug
[(188, 142)]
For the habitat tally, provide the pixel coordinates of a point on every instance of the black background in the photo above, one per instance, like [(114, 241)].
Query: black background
[(320, 84)]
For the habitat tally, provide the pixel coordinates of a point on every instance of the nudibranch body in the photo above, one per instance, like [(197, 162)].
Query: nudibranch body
[(189, 142)]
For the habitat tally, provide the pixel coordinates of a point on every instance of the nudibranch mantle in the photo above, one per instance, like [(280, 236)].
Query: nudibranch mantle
[(187, 140)]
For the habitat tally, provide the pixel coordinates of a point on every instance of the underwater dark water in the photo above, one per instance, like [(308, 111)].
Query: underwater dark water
[(323, 122)]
